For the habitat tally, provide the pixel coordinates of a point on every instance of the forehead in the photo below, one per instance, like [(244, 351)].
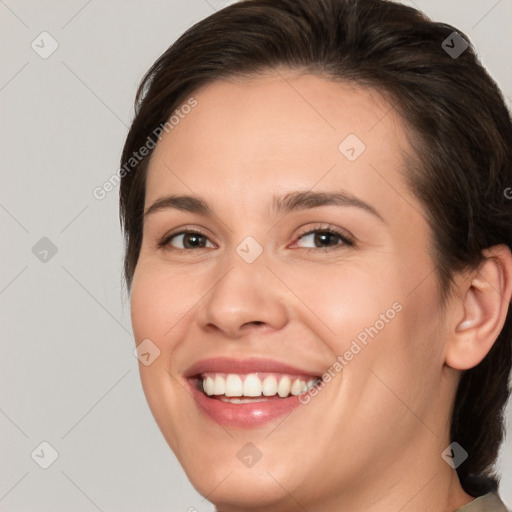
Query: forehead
[(248, 138)]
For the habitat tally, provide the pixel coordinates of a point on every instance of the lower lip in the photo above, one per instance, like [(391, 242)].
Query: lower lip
[(243, 415)]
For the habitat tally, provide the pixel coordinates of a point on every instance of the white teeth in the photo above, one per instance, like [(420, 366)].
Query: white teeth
[(220, 385), (284, 387), (254, 385), (234, 386), (209, 386), (270, 386), (242, 400), (296, 387)]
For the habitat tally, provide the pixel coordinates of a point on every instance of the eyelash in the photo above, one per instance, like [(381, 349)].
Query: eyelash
[(164, 242)]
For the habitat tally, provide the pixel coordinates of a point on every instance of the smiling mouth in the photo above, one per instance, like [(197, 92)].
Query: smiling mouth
[(252, 387)]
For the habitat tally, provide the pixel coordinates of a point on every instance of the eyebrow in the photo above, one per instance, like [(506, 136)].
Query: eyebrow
[(292, 201)]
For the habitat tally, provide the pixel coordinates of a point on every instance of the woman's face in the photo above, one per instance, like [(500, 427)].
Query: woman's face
[(263, 289)]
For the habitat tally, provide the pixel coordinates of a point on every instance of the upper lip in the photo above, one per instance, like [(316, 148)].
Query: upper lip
[(243, 366)]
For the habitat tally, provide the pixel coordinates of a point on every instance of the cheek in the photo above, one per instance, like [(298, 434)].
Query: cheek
[(401, 351), (343, 300), (155, 308), (159, 301), (156, 311), (375, 315)]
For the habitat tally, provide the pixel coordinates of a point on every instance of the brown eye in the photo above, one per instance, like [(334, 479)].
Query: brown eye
[(186, 239), (325, 239)]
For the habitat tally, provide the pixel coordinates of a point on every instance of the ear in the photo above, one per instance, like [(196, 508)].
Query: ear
[(486, 298)]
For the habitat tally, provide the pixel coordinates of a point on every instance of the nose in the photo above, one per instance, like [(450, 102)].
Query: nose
[(245, 297)]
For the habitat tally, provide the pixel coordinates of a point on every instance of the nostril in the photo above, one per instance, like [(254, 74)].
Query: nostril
[(256, 322)]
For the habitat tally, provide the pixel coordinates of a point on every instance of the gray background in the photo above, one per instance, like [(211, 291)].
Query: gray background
[(68, 374)]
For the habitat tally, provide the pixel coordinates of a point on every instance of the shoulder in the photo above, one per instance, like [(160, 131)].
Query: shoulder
[(489, 502)]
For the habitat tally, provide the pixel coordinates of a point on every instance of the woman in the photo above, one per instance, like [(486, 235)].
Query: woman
[(318, 236)]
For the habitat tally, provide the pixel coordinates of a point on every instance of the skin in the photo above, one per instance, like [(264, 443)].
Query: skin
[(372, 439)]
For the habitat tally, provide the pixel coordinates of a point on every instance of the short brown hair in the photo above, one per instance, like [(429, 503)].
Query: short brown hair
[(461, 135)]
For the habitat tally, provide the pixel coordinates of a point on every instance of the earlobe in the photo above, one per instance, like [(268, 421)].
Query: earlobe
[(485, 307)]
